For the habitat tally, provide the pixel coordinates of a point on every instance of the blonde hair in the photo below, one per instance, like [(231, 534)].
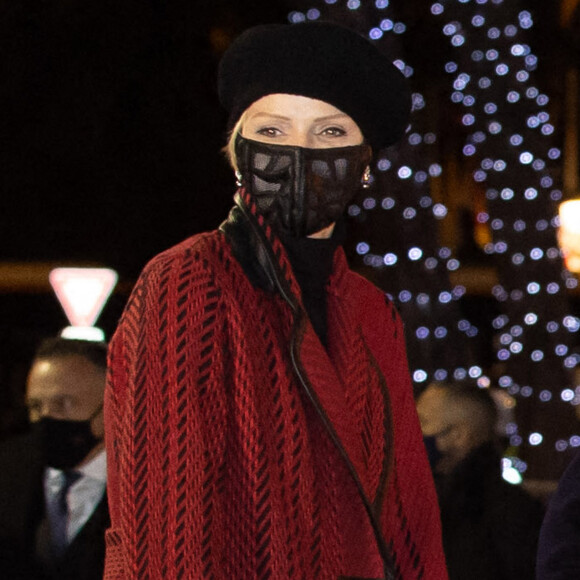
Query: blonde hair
[(230, 148)]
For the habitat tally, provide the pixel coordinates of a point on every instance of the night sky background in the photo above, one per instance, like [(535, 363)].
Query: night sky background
[(110, 127)]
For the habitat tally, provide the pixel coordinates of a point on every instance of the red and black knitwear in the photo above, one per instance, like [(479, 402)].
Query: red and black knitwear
[(239, 447)]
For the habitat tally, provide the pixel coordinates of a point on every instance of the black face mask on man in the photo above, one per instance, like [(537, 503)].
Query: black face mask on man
[(300, 191), (66, 443), (433, 453)]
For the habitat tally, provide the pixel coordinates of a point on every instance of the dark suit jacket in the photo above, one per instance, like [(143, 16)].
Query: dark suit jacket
[(490, 527), (22, 516), (559, 549)]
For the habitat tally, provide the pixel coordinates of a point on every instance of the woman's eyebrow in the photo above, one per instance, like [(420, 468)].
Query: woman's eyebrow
[(330, 117), (271, 115)]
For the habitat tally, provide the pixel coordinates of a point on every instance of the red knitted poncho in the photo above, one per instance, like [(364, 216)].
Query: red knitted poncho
[(239, 447)]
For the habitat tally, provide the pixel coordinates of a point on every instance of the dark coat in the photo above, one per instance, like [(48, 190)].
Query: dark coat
[(559, 547), (490, 527), (22, 515)]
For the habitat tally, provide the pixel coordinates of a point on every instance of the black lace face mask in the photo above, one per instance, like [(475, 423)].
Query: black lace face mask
[(300, 191)]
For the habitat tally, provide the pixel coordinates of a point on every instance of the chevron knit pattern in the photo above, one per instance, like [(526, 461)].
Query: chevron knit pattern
[(220, 466)]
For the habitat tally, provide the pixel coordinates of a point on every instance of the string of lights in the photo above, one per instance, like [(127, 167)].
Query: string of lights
[(510, 133), (393, 222), (513, 143)]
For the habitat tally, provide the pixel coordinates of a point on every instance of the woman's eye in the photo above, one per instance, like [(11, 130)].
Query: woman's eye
[(334, 132), (269, 132)]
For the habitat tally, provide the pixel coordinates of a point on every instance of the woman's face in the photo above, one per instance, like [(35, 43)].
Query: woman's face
[(300, 121)]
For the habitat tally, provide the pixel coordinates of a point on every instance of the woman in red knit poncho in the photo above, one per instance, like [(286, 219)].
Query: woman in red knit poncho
[(259, 412)]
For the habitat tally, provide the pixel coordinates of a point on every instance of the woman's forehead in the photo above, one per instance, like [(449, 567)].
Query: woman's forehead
[(292, 106)]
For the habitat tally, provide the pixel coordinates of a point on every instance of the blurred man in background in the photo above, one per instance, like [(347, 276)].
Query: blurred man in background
[(53, 507), (490, 527), (559, 546)]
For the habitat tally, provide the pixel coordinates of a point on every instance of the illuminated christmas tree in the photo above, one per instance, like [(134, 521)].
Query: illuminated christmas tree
[(509, 141), (393, 230)]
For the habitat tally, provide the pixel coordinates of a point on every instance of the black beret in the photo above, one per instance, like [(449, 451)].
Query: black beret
[(322, 61)]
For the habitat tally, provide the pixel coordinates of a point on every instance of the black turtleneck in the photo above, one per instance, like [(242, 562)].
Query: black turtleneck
[(311, 261)]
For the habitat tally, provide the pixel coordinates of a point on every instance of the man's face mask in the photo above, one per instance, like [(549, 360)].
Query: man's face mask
[(433, 453), (442, 451), (300, 191), (66, 443)]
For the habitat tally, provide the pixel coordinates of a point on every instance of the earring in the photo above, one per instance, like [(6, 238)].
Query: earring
[(239, 178), (366, 177)]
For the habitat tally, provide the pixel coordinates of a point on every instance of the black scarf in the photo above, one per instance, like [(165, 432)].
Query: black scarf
[(311, 260)]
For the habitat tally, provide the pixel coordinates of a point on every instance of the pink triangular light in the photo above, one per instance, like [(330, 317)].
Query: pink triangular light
[(82, 292)]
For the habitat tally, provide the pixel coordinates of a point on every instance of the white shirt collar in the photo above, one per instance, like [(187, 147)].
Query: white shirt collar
[(96, 468)]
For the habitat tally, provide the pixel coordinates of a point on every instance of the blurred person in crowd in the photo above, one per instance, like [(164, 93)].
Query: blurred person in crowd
[(490, 527), (260, 420), (559, 546), (53, 507)]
